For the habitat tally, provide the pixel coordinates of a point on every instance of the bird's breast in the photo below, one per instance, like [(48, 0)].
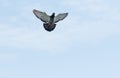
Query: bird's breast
[(49, 27)]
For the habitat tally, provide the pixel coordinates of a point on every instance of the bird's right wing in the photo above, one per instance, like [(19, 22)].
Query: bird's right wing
[(42, 16), (60, 17)]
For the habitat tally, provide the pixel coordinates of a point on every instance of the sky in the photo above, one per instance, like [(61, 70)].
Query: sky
[(86, 44)]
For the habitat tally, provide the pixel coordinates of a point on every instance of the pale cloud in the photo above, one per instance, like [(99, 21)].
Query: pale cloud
[(86, 5), (100, 8), (93, 21), (24, 37), (100, 14), (7, 58)]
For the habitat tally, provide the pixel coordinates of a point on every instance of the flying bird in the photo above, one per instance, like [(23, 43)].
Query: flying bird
[(49, 21)]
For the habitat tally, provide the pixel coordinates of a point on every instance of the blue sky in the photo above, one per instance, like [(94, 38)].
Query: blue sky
[(84, 45)]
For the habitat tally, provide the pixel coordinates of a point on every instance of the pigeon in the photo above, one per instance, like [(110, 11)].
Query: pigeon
[(49, 21)]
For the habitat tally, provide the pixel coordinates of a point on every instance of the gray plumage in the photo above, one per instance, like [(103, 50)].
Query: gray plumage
[(49, 21)]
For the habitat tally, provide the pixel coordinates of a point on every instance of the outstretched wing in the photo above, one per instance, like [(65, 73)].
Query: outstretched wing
[(60, 17), (41, 15)]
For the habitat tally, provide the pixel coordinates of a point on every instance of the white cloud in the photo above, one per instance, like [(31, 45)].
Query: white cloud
[(93, 20), (86, 5), (99, 13), (7, 58), (95, 8), (23, 37)]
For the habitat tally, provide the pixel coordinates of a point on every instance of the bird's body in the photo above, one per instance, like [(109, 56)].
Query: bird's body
[(49, 21), (50, 25)]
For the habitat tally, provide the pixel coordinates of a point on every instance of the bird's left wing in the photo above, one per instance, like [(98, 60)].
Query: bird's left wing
[(60, 17), (42, 16)]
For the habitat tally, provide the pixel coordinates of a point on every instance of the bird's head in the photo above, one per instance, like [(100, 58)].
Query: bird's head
[(53, 15)]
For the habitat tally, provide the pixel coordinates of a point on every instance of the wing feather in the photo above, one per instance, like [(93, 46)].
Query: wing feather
[(42, 16), (60, 17)]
